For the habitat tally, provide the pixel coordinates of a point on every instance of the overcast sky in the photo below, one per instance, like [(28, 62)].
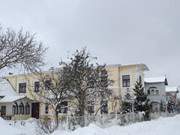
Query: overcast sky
[(116, 31)]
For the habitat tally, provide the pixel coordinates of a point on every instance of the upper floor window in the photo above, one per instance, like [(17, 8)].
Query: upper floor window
[(157, 92), (153, 91), (36, 86), (126, 80), (22, 87), (47, 84)]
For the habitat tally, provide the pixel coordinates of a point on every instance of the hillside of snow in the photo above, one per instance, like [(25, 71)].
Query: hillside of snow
[(161, 126)]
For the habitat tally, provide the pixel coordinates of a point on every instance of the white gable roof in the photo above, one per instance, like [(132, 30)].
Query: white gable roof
[(8, 93), (155, 79), (6, 89)]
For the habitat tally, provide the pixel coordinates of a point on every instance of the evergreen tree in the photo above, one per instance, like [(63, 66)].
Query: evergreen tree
[(162, 107), (126, 104), (170, 106), (141, 103)]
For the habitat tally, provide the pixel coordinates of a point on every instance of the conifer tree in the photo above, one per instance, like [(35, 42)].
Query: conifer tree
[(126, 104), (141, 103)]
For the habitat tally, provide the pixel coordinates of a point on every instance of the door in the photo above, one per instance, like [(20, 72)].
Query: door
[(35, 110)]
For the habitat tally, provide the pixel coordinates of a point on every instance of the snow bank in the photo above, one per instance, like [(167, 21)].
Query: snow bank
[(7, 129), (28, 127), (162, 126)]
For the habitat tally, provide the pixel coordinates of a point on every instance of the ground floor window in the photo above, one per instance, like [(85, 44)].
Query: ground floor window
[(90, 107), (21, 108), (15, 108), (104, 107), (63, 107), (3, 110), (46, 108), (27, 109)]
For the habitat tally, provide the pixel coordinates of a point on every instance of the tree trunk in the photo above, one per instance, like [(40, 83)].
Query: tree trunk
[(56, 119), (82, 113)]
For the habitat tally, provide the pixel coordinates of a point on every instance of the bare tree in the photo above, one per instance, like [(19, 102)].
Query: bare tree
[(54, 91), (20, 48)]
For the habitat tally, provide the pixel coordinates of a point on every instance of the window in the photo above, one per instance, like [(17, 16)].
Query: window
[(140, 78), (157, 92), (126, 80), (47, 84), (36, 86), (90, 107), (152, 91), (15, 108), (22, 87), (104, 107), (63, 107), (3, 110), (27, 109), (148, 92), (21, 108), (46, 108)]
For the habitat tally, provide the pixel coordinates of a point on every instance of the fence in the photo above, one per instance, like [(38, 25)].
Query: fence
[(72, 122)]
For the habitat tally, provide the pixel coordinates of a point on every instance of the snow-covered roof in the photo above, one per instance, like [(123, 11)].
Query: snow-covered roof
[(9, 99), (6, 89), (171, 89), (155, 79), (7, 92)]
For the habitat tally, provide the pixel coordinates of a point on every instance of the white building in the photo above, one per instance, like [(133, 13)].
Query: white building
[(155, 88)]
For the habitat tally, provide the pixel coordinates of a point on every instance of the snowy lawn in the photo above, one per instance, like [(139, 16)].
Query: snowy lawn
[(161, 126)]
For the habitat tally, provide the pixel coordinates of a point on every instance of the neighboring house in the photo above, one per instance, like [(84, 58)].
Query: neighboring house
[(171, 97), (156, 90), (171, 94), (124, 77), (27, 88)]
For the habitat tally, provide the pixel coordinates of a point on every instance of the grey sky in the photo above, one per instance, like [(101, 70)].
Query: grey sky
[(116, 31)]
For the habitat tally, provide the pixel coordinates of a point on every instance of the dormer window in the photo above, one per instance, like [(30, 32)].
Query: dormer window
[(22, 87)]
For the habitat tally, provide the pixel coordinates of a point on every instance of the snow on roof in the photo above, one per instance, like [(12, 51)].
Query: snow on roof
[(171, 89), (155, 79), (7, 92), (9, 99), (6, 89)]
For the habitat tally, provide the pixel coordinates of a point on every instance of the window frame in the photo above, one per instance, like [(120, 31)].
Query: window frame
[(36, 86), (126, 80), (22, 87)]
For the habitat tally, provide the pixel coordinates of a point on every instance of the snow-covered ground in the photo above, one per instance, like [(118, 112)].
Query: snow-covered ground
[(161, 126)]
